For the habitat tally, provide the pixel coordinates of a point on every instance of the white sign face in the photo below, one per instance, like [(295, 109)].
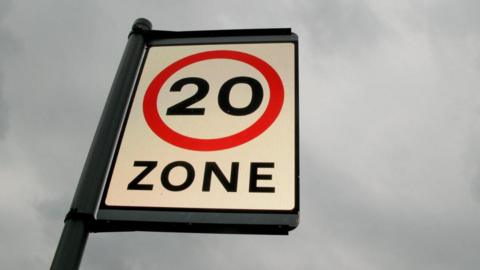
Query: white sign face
[(210, 127)]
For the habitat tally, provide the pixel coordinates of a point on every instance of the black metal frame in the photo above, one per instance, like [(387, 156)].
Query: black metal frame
[(114, 218)]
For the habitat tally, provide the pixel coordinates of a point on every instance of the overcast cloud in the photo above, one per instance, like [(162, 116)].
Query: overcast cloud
[(390, 128)]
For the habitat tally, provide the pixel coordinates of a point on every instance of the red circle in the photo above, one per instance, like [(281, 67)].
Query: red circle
[(163, 131)]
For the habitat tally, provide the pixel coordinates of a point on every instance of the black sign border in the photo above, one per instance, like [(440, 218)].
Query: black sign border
[(124, 218)]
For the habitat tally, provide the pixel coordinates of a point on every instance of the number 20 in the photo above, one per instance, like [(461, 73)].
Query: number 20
[(183, 107)]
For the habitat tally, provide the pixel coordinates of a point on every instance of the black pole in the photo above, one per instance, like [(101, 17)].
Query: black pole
[(71, 245), (82, 211)]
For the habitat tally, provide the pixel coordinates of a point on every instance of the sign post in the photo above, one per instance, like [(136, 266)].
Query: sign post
[(80, 218), (199, 134)]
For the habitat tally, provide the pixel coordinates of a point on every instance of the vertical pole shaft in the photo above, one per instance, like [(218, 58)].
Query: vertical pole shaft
[(87, 195), (71, 245)]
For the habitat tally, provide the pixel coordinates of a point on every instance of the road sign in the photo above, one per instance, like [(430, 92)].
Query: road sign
[(210, 137)]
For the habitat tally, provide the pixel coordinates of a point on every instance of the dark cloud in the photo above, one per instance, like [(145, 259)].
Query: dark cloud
[(453, 19), (3, 113), (472, 156), (450, 26), (338, 26), (8, 48)]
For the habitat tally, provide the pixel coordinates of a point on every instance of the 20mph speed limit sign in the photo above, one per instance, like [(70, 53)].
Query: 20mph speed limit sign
[(210, 136)]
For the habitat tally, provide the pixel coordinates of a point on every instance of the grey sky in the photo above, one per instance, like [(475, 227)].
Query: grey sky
[(390, 128)]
